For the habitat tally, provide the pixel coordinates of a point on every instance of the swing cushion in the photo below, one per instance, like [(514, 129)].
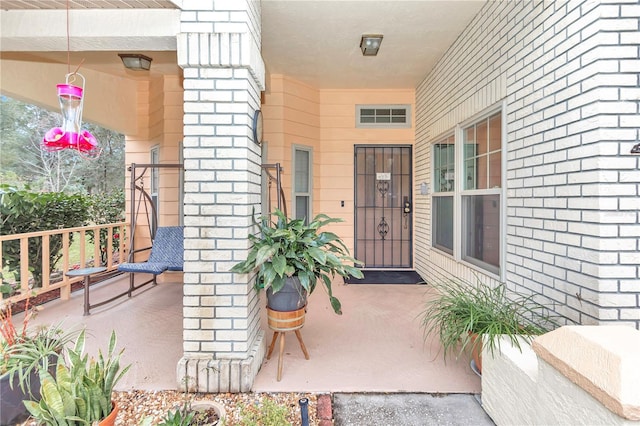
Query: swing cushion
[(167, 253)]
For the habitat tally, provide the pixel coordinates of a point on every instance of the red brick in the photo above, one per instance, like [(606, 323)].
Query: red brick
[(324, 410)]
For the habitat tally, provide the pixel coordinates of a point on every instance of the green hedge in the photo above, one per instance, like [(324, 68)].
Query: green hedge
[(24, 211)]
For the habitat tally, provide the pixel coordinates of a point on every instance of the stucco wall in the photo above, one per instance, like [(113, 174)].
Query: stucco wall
[(568, 73), (575, 375)]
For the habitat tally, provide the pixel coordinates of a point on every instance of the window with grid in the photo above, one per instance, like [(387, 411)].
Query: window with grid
[(479, 191), (383, 116), (443, 187)]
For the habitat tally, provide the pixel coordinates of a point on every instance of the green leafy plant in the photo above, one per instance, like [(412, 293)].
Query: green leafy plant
[(25, 350), (264, 413), (23, 211), (289, 247), (80, 393), (459, 310)]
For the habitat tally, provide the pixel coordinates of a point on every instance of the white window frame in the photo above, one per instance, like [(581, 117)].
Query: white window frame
[(406, 125), (295, 193), (459, 192)]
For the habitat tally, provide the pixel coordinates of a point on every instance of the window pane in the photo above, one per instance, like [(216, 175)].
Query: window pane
[(302, 171), (481, 231), (495, 132), (482, 151), (470, 175), (444, 165), (481, 138), (495, 170), (442, 237), (302, 207)]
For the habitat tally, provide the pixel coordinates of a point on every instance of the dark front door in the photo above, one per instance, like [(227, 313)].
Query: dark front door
[(383, 206)]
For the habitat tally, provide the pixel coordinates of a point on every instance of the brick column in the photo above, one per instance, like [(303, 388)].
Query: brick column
[(219, 50)]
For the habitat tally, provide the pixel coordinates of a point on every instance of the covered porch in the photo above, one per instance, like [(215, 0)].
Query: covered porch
[(375, 346)]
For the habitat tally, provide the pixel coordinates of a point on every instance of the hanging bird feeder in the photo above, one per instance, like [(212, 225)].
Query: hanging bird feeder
[(70, 135)]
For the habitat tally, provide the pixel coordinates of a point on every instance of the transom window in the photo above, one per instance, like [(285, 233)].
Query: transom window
[(383, 116), (473, 192)]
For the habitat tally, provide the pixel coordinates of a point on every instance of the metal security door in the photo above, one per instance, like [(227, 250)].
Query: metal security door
[(383, 206)]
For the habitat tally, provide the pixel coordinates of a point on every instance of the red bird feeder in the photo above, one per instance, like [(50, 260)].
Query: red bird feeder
[(70, 135)]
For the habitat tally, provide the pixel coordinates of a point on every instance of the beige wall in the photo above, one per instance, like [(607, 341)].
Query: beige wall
[(108, 100), (159, 115), (324, 120)]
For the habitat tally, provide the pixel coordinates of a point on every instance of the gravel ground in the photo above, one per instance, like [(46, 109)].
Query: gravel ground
[(137, 405)]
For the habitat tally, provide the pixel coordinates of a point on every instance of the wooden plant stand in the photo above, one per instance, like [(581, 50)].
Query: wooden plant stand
[(280, 323)]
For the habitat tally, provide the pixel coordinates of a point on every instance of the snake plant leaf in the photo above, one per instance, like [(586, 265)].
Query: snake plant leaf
[(52, 397)]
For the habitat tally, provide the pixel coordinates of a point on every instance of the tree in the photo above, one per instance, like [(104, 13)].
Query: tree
[(22, 159)]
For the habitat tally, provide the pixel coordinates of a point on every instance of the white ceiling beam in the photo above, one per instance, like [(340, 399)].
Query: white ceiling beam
[(89, 29)]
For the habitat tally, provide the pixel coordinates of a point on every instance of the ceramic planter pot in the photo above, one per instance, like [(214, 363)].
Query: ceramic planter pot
[(110, 420), (204, 405), (291, 297), (476, 351)]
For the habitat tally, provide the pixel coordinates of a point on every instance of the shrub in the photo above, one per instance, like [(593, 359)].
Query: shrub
[(24, 211), (104, 209)]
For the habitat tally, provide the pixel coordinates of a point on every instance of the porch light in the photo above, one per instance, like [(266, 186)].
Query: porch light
[(70, 135), (370, 43), (635, 149), (136, 61)]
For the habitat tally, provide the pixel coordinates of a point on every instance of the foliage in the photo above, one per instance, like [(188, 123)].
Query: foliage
[(23, 126), (24, 211), (461, 308), (264, 413), (179, 417), (81, 391), (289, 247), (104, 209), (23, 350)]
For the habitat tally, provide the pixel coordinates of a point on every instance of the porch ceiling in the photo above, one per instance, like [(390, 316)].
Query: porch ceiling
[(314, 41)]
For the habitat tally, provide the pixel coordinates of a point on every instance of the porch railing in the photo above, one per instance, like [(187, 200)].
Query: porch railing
[(114, 247)]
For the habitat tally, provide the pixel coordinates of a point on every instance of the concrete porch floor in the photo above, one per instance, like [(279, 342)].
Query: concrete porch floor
[(375, 346)]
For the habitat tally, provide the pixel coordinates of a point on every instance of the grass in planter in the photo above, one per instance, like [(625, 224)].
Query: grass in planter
[(459, 309)]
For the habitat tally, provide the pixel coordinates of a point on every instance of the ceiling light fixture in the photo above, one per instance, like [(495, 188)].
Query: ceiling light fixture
[(370, 43), (136, 61)]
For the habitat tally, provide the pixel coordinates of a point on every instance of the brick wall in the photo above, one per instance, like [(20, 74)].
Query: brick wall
[(218, 49), (568, 72)]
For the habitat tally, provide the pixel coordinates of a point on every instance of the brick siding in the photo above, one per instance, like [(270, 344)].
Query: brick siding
[(568, 71)]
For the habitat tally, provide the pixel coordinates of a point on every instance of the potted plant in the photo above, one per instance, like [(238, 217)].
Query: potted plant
[(195, 413), (24, 351), (80, 392), (461, 312), (290, 256)]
